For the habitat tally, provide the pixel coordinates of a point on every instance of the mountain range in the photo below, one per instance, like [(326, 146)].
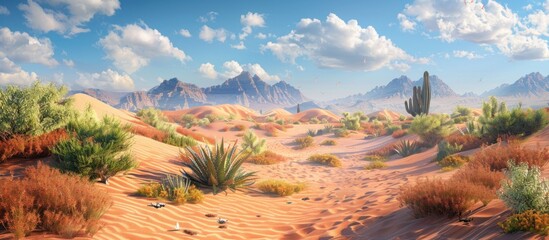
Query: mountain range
[(251, 91)]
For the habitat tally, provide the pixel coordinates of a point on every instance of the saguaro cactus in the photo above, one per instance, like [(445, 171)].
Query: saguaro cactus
[(420, 102), (298, 109)]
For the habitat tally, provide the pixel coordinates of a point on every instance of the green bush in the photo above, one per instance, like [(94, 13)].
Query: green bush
[(351, 122), (453, 161), (432, 128), (174, 188), (33, 110), (446, 149), (217, 168), (406, 148), (98, 149), (529, 220), (178, 140), (252, 145), (393, 128), (153, 117), (341, 132), (517, 122), (525, 189), (189, 120)]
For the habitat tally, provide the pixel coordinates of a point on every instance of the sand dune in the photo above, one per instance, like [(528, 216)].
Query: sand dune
[(384, 114), (82, 101), (320, 114), (224, 110)]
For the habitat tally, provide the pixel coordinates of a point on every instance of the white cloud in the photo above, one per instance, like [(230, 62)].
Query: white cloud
[(528, 7), (239, 46), (208, 70), (21, 47), (4, 11), (521, 47), (66, 16), (261, 36), (7, 66), (209, 34), (185, 33), (133, 46), (10, 73), (249, 21), (405, 23), (108, 79), (68, 62), (546, 5), (538, 23), (233, 68), (466, 54), (337, 44), (209, 17)]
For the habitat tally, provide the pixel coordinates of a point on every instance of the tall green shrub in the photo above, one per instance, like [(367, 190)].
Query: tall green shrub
[(525, 189), (432, 128), (251, 144), (351, 122)]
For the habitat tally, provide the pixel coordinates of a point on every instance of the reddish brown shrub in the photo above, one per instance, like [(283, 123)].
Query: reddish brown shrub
[(149, 132), (496, 156), (30, 147), (384, 151), (480, 176), (266, 158), (467, 141), (440, 197), (63, 204), (399, 133), (195, 135), (239, 127), (224, 129)]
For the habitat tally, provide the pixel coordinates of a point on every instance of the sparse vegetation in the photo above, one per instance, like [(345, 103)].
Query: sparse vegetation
[(314, 120), (453, 161), (496, 157), (280, 187), (326, 159), (446, 149), (376, 164), (239, 127), (217, 168), (431, 128), (341, 132), (406, 148), (351, 122), (156, 118), (375, 158), (525, 189), (174, 188), (30, 146), (328, 142), (467, 141), (266, 158), (251, 144), (528, 221), (304, 142), (399, 133), (312, 132)]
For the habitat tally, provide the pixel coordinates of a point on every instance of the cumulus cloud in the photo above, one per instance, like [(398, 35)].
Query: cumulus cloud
[(249, 21), (4, 11), (338, 44), (485, 24), (68, 62), (185, 33), (133, 46), (261, 36), (209, 17), (65, 16), (233, 68), (239, 46), (21, 47), (10, 73), (405, 23), (108, 79), (466, 54), (207, 70), (209, 34)]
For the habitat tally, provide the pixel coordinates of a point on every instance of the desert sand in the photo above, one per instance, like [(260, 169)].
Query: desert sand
[(344, 203)]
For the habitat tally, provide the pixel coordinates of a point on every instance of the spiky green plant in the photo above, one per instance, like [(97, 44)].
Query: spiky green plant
[(446, 149), (251, 144), (312, 132), (175, 186), (421, 100), (218, 168), (406, 148)]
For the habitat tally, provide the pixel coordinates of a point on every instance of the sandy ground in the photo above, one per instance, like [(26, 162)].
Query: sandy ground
[(344, 203)]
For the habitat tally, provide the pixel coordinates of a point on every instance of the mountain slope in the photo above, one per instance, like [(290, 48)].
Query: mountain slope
[(533, 84)]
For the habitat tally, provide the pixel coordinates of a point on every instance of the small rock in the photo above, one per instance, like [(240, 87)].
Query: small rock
[(305, 198), (289, 202), (258, 215), (210, 215), (190, 232), (223, 226)]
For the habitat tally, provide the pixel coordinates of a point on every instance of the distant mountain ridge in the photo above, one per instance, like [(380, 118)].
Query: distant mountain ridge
[(533, 84)]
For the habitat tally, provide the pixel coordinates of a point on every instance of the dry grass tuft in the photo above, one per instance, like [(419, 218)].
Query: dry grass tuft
[(280, 187), (266, 158), (326, 159)]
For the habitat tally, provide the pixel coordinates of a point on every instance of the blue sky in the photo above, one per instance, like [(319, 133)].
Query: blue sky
[(328, 49)]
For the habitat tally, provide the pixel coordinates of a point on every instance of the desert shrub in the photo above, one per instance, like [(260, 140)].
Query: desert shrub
[(97, 149), (31, 146), (217, 168), (351, 122), (399, 133), (280, 187), (406, 148), (392, 128), (189, 120), (325, 159), (375, 164), (385, 151), (496, 157), (375, 158), (224, 129), (446, 149), (269, 119), (324, 121), (252, 145), (328, 142), (304, 142), (528, 221), (239, 127), (480, 175), (185, 132), (152, 116), (327, 129), (179, 140), (467, 141), (453, 161), (442, 197), (266, 158), (174, 188), (149, 132), (212, 117), (46, 199), (33, 110), (462, 114), (525, 189), (341, 132), (280, 122), (402, 118), (204, 122), (314, 120), (431, 128), (312, 132)]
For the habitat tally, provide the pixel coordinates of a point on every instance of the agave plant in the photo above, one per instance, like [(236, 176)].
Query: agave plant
[(172, 184), (218, 168), (406, 148)]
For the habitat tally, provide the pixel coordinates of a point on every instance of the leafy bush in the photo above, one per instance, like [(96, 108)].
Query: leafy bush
[(406, 148), (496, 157), (30, 146), (189, 120), (46, 199), (152, 116), (217, 168), (446, 149), (149, 132), (462, 114), (328, 142), (174, 188), (392, 128), (34, 110), (467, 141), (525, 189), (453, 161), (440, 197), (431, 128), (351, 122), (304, 142), (280, 121), (326, 159), (341, 132), (530, 221), (280, 187), (376, 164), (98, 149), (204, 122), (266, 158), (179, 140), (252, 145)]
